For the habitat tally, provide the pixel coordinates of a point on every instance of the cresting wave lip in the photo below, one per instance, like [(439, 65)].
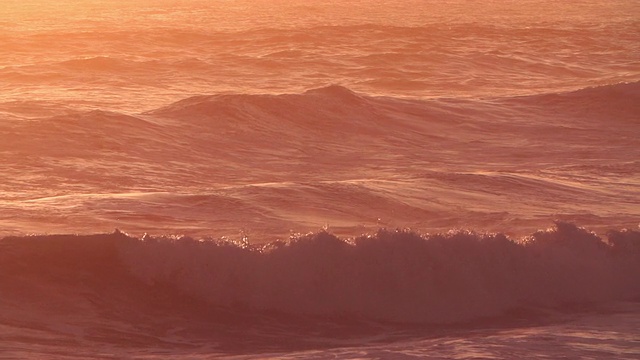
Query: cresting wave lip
[(393, 275)]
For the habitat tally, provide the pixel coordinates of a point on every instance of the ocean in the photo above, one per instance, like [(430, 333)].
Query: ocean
[(358, 179)]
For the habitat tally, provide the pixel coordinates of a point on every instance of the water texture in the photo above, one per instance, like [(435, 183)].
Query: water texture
[(354, 179)]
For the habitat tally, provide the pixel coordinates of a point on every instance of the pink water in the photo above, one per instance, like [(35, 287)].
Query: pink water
[(226, 129)]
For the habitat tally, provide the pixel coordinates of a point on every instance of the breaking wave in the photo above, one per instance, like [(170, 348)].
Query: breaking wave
[(393, 275)]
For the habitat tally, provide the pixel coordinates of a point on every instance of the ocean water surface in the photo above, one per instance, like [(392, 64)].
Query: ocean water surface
[(313, 179)]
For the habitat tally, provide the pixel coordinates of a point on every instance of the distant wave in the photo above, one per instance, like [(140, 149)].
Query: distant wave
[(102, 63), (368, 126), (206, 104), (320, 111), (336, 102), (616, 101), (122, 65), (285, 34), (624, 90), (393, 275), (325, 110), (628, 93)]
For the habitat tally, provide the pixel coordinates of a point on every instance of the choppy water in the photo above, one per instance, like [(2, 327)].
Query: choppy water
[(255, 122)]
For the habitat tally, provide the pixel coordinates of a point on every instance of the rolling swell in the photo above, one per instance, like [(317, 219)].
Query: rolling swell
[(338, 102), (337, 118), (334, 100), (395, 276)]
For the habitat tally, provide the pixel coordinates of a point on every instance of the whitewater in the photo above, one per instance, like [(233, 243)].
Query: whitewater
[(287, 179)]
